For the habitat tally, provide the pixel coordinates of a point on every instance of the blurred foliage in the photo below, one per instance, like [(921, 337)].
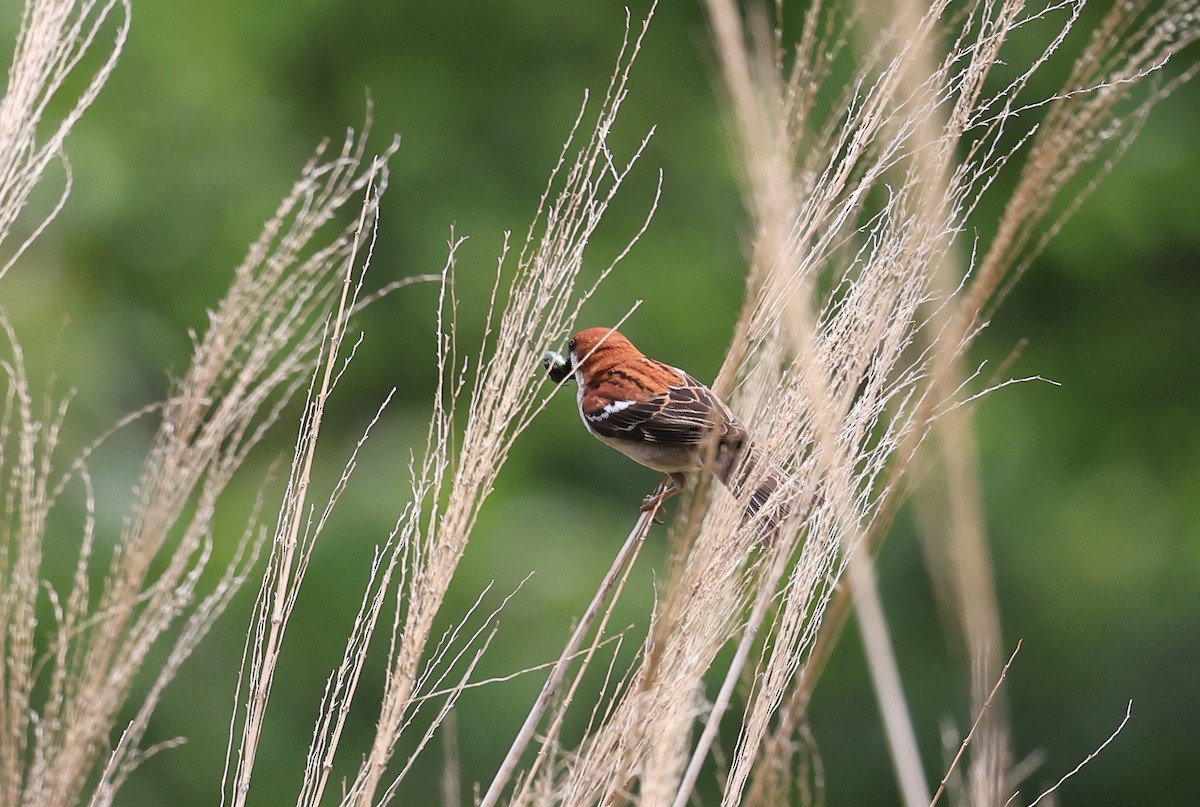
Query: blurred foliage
[(1093, 487)]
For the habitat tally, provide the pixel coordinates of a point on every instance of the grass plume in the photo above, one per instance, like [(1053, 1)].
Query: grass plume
[(863, 155)]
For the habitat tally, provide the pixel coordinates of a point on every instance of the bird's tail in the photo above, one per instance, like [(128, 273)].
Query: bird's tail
[(775, 497)]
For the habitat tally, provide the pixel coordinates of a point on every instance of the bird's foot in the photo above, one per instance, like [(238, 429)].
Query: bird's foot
[(671, 485), (653, 504)]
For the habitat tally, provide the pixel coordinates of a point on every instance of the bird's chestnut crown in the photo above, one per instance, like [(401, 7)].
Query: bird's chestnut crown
[(580, 348)]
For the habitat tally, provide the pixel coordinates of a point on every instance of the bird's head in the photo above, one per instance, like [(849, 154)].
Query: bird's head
[(587, 348)]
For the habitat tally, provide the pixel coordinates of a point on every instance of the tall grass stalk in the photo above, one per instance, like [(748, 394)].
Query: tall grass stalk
[(864, 153), (484, 400), (54, 39), (926, 131), (77, 693), (859, 310)]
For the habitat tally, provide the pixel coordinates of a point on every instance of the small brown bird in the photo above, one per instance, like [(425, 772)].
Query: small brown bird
[(663, 418)]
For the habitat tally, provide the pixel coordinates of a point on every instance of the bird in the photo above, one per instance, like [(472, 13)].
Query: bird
[(663, 418)]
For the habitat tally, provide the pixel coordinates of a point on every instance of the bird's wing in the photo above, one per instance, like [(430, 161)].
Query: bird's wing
[(686, 413)]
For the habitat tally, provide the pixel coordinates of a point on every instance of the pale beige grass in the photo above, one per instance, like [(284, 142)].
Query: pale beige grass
[(863, 295)]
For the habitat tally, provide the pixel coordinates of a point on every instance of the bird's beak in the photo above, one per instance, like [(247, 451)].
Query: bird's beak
[(558, 366)]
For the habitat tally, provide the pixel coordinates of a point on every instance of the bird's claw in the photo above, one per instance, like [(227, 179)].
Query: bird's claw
[(652, 504)]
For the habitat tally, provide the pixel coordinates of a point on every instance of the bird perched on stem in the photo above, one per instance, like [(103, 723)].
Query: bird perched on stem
[(665, 419)]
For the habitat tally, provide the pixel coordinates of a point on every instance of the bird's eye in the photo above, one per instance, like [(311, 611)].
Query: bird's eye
[(571, 345)]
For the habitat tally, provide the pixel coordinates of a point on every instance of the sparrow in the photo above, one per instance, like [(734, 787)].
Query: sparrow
[(663, 418)]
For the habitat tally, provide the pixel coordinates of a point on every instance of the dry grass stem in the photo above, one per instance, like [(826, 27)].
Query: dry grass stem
[(1088, 758), (54, 39), (550, 690), (864, 154), (60, 704), (847, 348), (494, 397), (885, 675), (70, 680), (307, 299), (974, 727)]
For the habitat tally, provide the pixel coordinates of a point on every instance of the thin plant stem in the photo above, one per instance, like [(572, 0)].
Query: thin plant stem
[(725, 695), (885, 674), (970, 734), (558, 673)]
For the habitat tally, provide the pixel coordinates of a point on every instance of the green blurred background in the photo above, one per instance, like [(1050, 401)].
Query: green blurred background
[(1092, 487)]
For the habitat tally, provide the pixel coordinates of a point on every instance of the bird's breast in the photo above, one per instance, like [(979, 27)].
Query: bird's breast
[(668, 458)]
